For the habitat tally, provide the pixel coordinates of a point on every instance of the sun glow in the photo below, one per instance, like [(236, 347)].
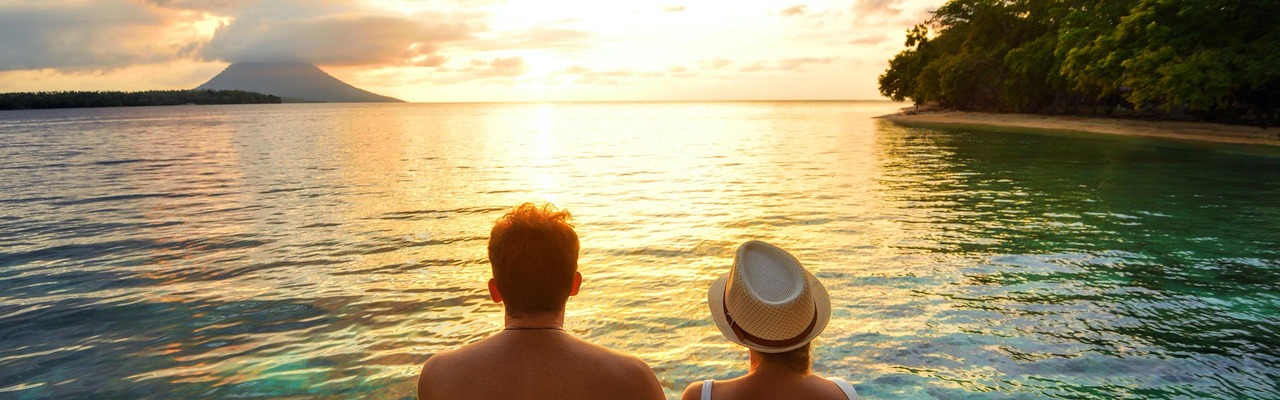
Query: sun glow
[(555, 50)]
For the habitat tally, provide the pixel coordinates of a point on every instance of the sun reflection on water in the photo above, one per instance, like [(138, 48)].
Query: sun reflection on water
[(325, 251)]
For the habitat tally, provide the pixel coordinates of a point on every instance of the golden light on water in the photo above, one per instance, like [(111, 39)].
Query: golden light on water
[(322, 250)]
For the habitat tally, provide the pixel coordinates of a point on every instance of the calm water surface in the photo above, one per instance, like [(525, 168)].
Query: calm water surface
[(325, 251)]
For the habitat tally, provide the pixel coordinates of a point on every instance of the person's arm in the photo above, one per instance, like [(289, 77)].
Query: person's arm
[(649, 388), (424, 378), (693, 392), (422, 381)]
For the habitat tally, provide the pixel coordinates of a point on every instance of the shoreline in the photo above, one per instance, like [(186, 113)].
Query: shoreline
[(1188, 131)]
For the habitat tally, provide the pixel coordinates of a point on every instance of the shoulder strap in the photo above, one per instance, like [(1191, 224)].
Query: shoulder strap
[(846, 388), (706, 389)]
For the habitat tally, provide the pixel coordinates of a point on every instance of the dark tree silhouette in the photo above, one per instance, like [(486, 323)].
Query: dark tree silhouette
[(21, 101)]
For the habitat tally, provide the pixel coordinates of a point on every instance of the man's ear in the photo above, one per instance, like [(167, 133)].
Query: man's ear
[(493, 291), (577, 282)]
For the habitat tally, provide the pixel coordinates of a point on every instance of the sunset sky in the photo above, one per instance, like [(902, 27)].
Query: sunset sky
[(469, 50)]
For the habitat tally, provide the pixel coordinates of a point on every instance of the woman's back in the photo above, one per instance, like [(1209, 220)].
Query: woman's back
[(771, 305), (758, 387)]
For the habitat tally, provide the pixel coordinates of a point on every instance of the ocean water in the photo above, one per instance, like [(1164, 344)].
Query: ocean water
[(326, 251)]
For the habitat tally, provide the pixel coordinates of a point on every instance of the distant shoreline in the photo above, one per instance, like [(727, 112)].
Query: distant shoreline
[(1191, 131), (83, 99)]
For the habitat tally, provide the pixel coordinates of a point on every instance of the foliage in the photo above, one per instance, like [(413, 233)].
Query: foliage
[(1215, 59), (21, 101)]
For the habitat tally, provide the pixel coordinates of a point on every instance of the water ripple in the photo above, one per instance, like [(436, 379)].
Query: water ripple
[(325, 251)]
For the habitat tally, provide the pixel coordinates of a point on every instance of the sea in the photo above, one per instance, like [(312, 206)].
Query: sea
[(325, 251)]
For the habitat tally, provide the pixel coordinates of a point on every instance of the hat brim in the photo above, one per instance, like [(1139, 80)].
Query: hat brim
[(715, 302)]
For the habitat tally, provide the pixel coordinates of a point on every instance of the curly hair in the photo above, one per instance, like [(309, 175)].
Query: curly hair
[(534, 254)]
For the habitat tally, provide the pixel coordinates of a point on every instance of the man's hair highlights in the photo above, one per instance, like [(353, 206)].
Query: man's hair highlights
[(534, 254)]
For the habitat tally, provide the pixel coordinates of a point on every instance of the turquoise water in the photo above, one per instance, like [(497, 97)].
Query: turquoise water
[(325, 251)]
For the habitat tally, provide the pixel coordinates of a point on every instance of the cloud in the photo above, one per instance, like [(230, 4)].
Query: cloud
[(584, 75), (478, 69), (792, 11), (675, 71), (540, 37), (892, 12), (869, 39), (509, 63), (93, 36), (674, 8), (429, 60), (865, 8), (715, 63), (212, 6), (753, 67), (793, 64), (344, 38), (786, 64)]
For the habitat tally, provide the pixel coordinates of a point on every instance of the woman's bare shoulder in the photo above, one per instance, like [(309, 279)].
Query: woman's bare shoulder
[(693, 392)]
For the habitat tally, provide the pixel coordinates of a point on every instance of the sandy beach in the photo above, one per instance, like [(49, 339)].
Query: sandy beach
[(1194, 131)]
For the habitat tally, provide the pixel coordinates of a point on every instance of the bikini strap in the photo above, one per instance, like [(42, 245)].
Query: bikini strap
[(706, 389), (844, 387)]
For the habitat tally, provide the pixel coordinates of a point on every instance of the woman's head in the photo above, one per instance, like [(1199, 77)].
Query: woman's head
[(768, 302)]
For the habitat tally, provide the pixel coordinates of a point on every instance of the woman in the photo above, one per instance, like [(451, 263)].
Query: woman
[(770, 304)]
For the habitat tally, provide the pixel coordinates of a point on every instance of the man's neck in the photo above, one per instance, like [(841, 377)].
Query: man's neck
[(551, 320)]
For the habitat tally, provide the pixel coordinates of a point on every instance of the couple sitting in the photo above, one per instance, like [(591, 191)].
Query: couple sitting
[(767, 302)]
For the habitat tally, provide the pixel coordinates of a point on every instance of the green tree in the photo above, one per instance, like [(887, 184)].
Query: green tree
[(1213, 58)]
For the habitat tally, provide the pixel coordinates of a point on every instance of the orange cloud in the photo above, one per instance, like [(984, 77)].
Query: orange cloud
[(541, 37), (95, 36), (344, 39), (716, 63), (792, 11)]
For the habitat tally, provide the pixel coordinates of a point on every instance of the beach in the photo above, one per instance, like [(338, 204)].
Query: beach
[(1194, 131)]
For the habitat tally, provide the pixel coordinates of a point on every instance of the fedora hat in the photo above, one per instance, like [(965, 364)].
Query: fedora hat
[(767, 301)]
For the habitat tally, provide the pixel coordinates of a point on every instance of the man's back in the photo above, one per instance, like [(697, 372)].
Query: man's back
[(536, 364)]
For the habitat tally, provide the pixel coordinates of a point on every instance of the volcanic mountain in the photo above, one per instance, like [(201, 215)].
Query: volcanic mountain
[(292, 81)]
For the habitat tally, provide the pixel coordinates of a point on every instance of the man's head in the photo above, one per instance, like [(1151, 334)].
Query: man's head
[(534, 254)]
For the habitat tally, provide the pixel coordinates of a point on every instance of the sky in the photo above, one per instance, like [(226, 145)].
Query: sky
[(469, 50)]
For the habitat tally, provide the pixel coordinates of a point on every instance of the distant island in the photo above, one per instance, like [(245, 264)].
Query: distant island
[(1153, 59), (295, 82), (239, 83), (43, 100)]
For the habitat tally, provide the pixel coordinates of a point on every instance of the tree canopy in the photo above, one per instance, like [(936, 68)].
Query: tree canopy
[(1213, 59), (21, 101)]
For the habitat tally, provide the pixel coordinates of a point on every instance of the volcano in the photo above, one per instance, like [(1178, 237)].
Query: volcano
[(292, 81)]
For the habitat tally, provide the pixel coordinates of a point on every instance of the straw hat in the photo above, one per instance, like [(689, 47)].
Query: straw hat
[(768, 301)]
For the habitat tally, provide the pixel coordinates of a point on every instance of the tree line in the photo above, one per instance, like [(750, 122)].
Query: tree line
[(38, 100), (1214, 60)]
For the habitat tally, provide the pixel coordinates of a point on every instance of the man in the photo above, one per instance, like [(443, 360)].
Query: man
[(534, 254)]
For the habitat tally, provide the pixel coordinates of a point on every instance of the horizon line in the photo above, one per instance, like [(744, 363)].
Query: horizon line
[(637, 101)]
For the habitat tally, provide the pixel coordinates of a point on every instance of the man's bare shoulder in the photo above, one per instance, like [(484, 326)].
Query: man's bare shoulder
[(580, 367), (451, 359), (622, 360), (442, 367), (627, 370)]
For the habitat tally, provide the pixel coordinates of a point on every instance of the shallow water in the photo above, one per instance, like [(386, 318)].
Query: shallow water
[(325, 251)]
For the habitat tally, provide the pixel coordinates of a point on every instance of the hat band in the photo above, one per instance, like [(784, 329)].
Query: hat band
[(744, 335)]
